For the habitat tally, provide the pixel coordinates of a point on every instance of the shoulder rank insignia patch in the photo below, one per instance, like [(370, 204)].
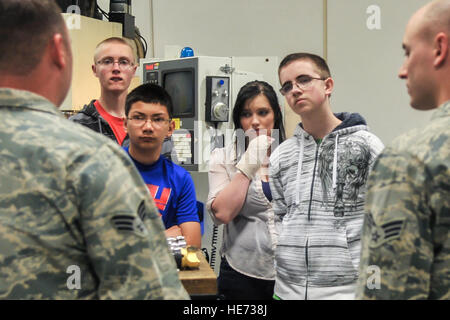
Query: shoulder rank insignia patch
[(386, 232), (132, 223)]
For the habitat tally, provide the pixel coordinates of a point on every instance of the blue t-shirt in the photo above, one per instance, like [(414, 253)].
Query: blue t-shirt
[(266, 190), (172, 189)]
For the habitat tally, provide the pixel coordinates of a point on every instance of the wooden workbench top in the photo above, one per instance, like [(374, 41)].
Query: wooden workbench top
[(201, 281)]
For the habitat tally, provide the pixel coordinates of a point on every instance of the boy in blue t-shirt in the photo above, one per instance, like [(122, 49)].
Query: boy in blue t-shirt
[(148, 111)]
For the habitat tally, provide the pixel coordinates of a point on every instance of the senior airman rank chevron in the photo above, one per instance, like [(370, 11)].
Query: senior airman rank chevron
[(386, 232), (131, 223)]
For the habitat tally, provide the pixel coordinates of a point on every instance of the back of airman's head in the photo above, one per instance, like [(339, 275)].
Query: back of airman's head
[(26, 26)]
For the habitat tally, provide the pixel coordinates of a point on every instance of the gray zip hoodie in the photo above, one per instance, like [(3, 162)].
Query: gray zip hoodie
[(318, 199)]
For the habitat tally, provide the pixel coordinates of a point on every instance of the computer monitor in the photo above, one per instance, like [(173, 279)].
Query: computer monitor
[(180, 84)]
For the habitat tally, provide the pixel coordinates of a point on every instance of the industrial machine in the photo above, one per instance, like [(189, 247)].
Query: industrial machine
[(119, 11), (203, 90)]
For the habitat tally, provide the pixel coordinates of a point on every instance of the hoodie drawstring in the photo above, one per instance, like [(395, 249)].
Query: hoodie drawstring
[(335, 162), (299, 169)]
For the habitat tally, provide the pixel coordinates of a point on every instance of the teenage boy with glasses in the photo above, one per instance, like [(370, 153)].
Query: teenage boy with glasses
[(148, 110), (114, 66), (317, 180)]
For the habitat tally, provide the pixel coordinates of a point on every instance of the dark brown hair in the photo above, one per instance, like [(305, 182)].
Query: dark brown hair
[(149, 93), (319, 62), (248, 92), (25, 29)]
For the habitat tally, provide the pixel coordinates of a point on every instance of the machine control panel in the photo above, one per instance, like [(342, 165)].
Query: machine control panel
[(217, 99), (152, 77)]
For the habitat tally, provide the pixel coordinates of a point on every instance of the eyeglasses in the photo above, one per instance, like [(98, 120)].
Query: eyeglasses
[(157, 122), (302, 82), (124, 64)]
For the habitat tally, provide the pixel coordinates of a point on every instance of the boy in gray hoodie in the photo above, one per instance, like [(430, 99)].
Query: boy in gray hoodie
[(318, 184)]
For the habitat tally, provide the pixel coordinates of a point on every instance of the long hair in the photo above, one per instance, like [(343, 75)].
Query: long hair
[(250, 91)]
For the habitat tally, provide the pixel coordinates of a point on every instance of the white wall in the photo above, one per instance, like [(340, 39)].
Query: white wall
[(365, 63), (238, 27)]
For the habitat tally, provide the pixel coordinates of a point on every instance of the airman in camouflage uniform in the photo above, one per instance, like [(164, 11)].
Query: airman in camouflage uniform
[(76, 220), (405, 242)]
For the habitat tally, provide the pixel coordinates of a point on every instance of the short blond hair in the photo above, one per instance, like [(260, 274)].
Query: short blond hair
[(113, 40)]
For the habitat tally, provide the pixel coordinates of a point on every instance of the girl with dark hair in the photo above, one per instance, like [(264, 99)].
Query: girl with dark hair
[(239, 195)]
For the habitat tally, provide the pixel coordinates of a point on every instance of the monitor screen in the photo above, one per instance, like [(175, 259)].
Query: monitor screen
[(180, 84)]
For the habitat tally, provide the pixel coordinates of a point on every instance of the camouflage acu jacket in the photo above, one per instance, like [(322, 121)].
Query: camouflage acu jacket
[(405, 242), (76, 220)]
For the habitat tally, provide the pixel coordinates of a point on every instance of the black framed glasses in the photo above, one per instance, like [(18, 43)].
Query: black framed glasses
[(124, 64), (156, 122), (302, 82)]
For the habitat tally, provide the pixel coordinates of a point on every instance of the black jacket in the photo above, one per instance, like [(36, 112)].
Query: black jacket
[(89, 117)]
